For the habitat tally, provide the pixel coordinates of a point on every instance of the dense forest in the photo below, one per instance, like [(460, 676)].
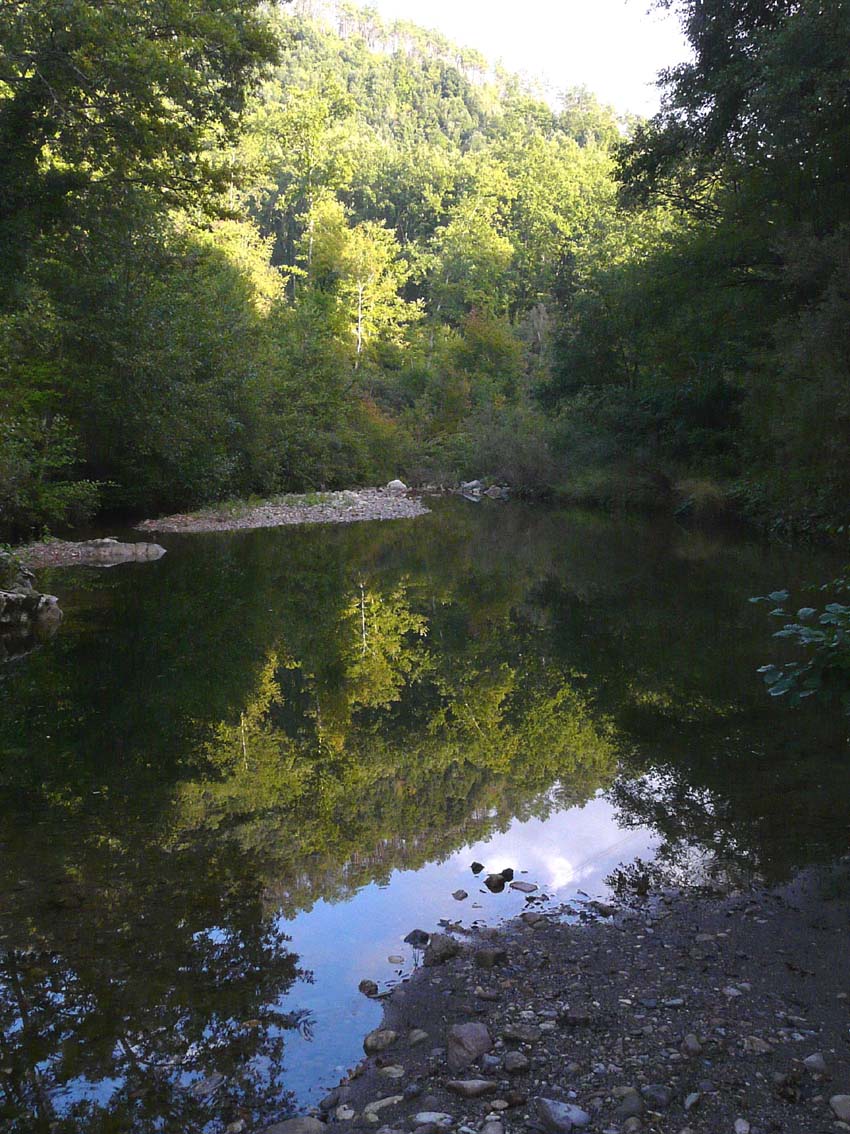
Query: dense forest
[(252, 250)]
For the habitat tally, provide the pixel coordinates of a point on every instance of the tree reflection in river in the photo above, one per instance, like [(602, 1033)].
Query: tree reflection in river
[(262, 720)]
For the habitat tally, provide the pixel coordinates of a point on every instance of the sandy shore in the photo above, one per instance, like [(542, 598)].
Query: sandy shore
[(346, 507), (677, 1014)]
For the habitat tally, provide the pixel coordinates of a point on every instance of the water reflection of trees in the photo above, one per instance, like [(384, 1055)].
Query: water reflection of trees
[(254, 723), (138, 991), (391, 751)]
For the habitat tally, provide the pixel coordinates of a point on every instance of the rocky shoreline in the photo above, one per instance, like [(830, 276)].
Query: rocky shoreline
[(355, 505), (678, 1013)]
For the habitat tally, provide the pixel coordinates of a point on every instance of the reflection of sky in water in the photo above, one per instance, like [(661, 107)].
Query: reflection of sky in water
[(346, 942)]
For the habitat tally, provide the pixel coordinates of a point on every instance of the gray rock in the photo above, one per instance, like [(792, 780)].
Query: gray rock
[(516, 1062), (657, 1096), (416, 1037), (441, 948), (521, 1033), (472, 1088), (524, 887), (397, 486), (841, 1107), (302, 1125), (575, 1018), (692, 1099), (393, 1071), (340, 1094), (433, 1118), (110, 553), (815, 1063), (460, 895), (379, 1040), (465, 1043), (476, 867), (604, 909), (630, 1105), (691, 1045), (374, 1108), (489, 958), (495, 883), (368, 988), (561, 1117)]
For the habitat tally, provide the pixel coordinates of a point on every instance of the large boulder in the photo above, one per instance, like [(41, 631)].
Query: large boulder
[(110, 552)]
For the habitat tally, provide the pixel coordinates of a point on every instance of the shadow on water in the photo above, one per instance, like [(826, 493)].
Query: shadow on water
[(267, 739)]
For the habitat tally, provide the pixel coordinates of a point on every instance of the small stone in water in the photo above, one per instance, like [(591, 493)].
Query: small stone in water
[(460, 895), (418, 938), (477, 867)]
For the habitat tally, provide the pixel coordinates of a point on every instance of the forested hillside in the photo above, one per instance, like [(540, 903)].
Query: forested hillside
[(249, 252)]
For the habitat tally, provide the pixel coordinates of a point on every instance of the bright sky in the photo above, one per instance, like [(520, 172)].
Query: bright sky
[(614, 47)]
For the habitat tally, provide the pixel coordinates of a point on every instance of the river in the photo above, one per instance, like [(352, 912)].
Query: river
[(240, 775)]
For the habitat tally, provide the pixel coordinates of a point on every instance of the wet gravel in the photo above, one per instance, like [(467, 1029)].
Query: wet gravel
[(678, 1013)]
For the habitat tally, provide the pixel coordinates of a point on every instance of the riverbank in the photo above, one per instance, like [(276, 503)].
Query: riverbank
[(351, 506), (675, 1013)]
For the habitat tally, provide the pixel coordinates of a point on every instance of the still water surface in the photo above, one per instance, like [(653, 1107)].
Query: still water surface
[(242, 774)]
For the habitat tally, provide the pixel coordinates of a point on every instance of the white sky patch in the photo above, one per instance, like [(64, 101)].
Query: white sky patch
[(613, 47)]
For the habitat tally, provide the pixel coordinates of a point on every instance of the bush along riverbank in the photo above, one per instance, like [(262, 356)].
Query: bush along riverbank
[(677, 1013)]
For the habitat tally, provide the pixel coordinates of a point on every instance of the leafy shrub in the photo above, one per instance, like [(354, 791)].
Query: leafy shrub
[(825, 636), (37, 454)]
